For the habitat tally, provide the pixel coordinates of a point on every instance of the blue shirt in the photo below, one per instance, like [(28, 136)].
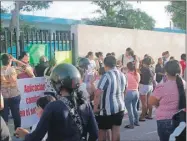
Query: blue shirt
[(57, 122)]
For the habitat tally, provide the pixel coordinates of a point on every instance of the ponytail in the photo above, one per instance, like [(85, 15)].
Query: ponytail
[(77, 98), (180, 86)]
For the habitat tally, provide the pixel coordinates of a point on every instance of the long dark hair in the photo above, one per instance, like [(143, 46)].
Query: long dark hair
[(98, 54), (89, 54), (131, 67), (173, 69)]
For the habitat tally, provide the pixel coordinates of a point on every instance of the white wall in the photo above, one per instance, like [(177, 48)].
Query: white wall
[(108, 39)]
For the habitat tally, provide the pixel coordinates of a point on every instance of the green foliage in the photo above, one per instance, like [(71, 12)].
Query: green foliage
[(177, 10), (35, 5), (121, 14)]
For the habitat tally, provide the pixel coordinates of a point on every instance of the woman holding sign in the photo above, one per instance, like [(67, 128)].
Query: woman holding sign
[(10, 90)]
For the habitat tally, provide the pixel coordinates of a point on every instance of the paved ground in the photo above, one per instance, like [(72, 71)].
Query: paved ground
[(145, 132)]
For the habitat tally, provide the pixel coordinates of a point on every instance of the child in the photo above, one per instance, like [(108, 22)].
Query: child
[(41, 104)]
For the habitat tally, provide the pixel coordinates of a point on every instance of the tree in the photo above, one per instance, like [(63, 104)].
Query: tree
[(177, 10), (121, 14)]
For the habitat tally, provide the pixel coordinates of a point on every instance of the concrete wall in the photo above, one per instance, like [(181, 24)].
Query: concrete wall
[(107, 39)]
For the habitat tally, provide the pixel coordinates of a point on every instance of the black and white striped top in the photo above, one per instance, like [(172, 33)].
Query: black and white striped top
[(113, 84)]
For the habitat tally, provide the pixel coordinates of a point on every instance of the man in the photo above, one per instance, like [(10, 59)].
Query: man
[(109, 100), (166, 57), (40, 68)]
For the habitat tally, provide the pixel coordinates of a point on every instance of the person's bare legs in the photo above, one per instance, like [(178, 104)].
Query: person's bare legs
[(115, 133), (149, 107), (143, 99), (102, 135), (108, 135)]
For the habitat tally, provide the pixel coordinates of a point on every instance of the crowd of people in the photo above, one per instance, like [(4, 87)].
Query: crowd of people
[(88, 101)]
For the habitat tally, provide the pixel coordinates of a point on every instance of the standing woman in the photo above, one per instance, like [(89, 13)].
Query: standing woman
[(99, 60), (132, 95), (168, 98), (129, 56), (10, 90), (146, 87), (25, 71), (159, 70), (49, 90), (90, 57)]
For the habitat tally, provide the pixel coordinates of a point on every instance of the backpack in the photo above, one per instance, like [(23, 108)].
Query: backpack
[(179, 133)]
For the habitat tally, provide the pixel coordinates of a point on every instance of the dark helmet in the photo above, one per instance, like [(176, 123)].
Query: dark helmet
[(65, 76), (83, 63)]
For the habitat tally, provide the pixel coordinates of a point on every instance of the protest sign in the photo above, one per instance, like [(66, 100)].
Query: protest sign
[(31, 89)]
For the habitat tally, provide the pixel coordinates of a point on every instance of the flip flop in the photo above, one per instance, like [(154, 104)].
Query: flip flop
[(129, 127), (149, 118)]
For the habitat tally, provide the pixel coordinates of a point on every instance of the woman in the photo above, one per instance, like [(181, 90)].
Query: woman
[(159, 70), (70, 118), (41, 103), (132, 95), (90, 57), (130, 57), (10, 90), (146, 87), (25, 71), (99, 61), (49, 90), (168, 98)]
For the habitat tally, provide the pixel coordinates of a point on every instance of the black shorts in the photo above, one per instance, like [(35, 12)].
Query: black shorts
[(106, 122)]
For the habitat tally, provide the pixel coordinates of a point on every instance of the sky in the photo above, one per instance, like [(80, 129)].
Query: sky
[(85, 9)]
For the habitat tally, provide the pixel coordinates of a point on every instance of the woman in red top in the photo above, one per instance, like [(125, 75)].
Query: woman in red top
[(183, 64)]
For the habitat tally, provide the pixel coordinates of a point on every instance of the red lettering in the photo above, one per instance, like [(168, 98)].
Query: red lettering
[(32, 99), (33, 88), (22, 113)]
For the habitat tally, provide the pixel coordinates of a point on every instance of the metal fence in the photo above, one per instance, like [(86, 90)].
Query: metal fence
[(60, 41)]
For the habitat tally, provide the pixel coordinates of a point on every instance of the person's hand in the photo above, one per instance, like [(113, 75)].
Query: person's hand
[(21, 132), (96, 109)]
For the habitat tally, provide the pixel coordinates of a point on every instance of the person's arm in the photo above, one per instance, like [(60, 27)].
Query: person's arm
[(29, 71), (156, 96), (103, 83), (42, 127), (2, 102), (92, 126)]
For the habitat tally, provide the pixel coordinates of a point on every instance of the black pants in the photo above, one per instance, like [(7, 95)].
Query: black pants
[(138, 105), (12, 103)]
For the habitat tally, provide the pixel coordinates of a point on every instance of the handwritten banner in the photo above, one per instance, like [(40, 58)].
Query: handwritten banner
[(31, 90)]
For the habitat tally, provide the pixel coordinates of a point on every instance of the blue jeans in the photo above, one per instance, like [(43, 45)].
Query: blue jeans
[(131, 100), (12, 103), (164, 129)]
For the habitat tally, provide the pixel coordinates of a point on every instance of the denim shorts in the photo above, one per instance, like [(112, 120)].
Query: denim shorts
[(145, 89)]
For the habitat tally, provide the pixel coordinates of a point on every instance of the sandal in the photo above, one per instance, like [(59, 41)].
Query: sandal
[(129, 127), (149, 118)]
